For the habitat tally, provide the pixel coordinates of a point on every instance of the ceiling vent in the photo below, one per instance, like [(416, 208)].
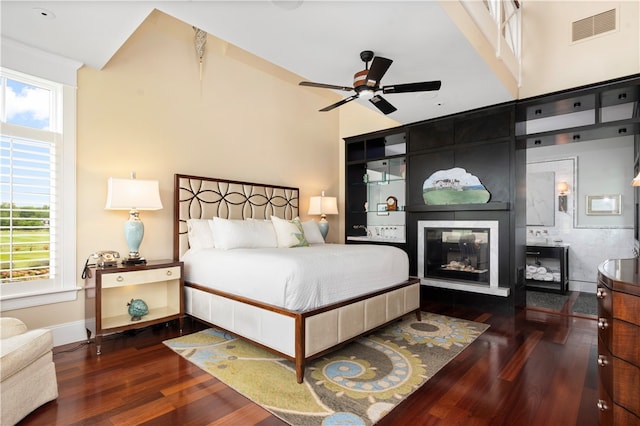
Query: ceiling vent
[(593, 25)]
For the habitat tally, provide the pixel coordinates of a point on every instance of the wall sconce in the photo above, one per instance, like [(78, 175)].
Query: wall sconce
[(563, 188), (636, 180)]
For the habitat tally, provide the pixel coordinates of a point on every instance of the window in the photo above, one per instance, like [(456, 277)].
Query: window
[(37, 188)]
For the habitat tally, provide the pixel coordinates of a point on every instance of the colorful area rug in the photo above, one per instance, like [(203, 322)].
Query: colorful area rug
[(356, 385)]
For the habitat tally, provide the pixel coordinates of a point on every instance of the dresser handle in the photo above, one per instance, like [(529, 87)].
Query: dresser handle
[(169, 273), (602, 323), (120, 278), (602, 360), (602, 405), (600, 293)]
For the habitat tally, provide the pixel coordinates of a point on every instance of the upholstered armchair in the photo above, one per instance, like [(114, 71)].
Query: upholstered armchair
[(27, 372)]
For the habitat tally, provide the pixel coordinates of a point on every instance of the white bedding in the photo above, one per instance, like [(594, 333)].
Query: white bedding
[(300, 278)]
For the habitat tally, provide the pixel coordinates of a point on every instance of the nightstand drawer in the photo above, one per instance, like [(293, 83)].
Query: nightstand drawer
[(120, 279)]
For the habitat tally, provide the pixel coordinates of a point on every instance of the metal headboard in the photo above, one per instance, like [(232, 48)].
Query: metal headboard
[(197, 197)]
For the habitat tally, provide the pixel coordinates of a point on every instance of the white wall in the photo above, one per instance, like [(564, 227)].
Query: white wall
[(552, 62)]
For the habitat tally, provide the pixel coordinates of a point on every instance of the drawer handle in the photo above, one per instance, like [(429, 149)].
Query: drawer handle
[(120, 278), (600, 293), (602, 405), (169, 273), (602, 361), (602, 323)]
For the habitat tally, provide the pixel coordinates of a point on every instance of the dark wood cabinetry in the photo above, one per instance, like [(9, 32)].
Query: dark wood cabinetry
[(618, 360), (483, 143), (599, 111), (375, 196)]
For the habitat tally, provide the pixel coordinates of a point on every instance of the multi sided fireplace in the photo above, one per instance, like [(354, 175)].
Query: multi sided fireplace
[(460, 255)]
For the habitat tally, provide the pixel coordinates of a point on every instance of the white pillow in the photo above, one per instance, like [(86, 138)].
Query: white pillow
[(199, 233), (232, 234), (289, 232), (312, 232)]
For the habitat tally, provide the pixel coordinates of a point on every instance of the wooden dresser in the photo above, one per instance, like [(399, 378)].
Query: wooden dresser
[(618, 296)]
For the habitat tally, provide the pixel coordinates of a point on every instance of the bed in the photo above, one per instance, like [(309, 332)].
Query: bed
[(245, 288)]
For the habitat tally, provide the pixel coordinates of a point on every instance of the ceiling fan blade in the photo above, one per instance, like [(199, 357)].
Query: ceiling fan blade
[(424, 86), (337, 104), (325, 86), (382, 104), (379, 67)]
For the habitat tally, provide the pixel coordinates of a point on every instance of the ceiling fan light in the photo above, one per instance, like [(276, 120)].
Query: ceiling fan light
[(365, 94)]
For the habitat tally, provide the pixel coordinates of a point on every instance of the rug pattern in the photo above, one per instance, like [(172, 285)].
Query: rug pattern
[(356, 385)]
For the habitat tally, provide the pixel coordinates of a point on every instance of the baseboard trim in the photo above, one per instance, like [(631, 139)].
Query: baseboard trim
[(70, 332), (583, 286)]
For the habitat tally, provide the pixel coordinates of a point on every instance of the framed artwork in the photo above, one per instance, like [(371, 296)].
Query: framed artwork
[(604, 205), (382, 209)]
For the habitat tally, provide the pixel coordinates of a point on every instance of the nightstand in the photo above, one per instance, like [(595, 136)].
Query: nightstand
[(159, 283)]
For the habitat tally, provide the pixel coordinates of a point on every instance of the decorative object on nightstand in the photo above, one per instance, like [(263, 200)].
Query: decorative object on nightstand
[(137, 309), (323, 206), (133, 195)]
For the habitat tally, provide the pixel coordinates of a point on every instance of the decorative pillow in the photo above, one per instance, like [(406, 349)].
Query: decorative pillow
[(289, 232), (199, 233), (232, 234), (312, 232)]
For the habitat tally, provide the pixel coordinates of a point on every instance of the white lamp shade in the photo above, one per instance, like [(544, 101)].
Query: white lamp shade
[(127, 194), (323, 205)]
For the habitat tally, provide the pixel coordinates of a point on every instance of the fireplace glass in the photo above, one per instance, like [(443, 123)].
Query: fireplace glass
[(457, 254)]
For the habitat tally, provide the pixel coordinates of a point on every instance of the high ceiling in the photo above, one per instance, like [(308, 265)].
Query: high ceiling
[(319, 40)]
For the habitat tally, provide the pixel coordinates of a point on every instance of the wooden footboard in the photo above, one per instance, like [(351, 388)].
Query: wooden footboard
[(302, 336)]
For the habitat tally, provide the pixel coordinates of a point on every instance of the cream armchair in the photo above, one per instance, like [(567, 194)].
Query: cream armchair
[(27, 372)]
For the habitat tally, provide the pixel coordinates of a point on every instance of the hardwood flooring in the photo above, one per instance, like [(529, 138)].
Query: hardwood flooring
[(535, 368)]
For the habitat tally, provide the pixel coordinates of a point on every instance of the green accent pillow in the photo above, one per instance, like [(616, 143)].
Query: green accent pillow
[(289, 232)]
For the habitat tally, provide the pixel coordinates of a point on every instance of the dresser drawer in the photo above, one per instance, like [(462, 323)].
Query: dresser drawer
[(626, 385), (625, 342), (605, 299), (605, 367), (626, 307), (120, 279), (605, 405), (605, 327), (622, 417)]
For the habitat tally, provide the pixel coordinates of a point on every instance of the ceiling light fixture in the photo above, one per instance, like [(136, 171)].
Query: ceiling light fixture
[(365, 94)]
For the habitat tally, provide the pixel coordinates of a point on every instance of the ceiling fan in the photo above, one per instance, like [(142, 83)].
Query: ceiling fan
[(367, 82)]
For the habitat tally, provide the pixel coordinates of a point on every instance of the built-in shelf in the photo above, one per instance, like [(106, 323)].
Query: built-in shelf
[(458, 207)]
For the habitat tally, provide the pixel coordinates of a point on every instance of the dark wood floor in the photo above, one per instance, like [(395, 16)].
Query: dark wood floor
[(537, 368)]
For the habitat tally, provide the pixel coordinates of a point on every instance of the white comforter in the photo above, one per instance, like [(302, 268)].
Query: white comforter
[(298, 278)]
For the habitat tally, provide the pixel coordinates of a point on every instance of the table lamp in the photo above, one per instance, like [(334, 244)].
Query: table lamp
[(133, 195), (323, 206)]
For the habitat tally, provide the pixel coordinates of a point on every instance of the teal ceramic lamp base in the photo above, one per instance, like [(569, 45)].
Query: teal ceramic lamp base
[(133, 233), (324, 227)]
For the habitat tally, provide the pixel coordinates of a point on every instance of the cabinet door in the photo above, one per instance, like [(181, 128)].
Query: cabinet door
[(483, 126), (491, 164), (436, 134)]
